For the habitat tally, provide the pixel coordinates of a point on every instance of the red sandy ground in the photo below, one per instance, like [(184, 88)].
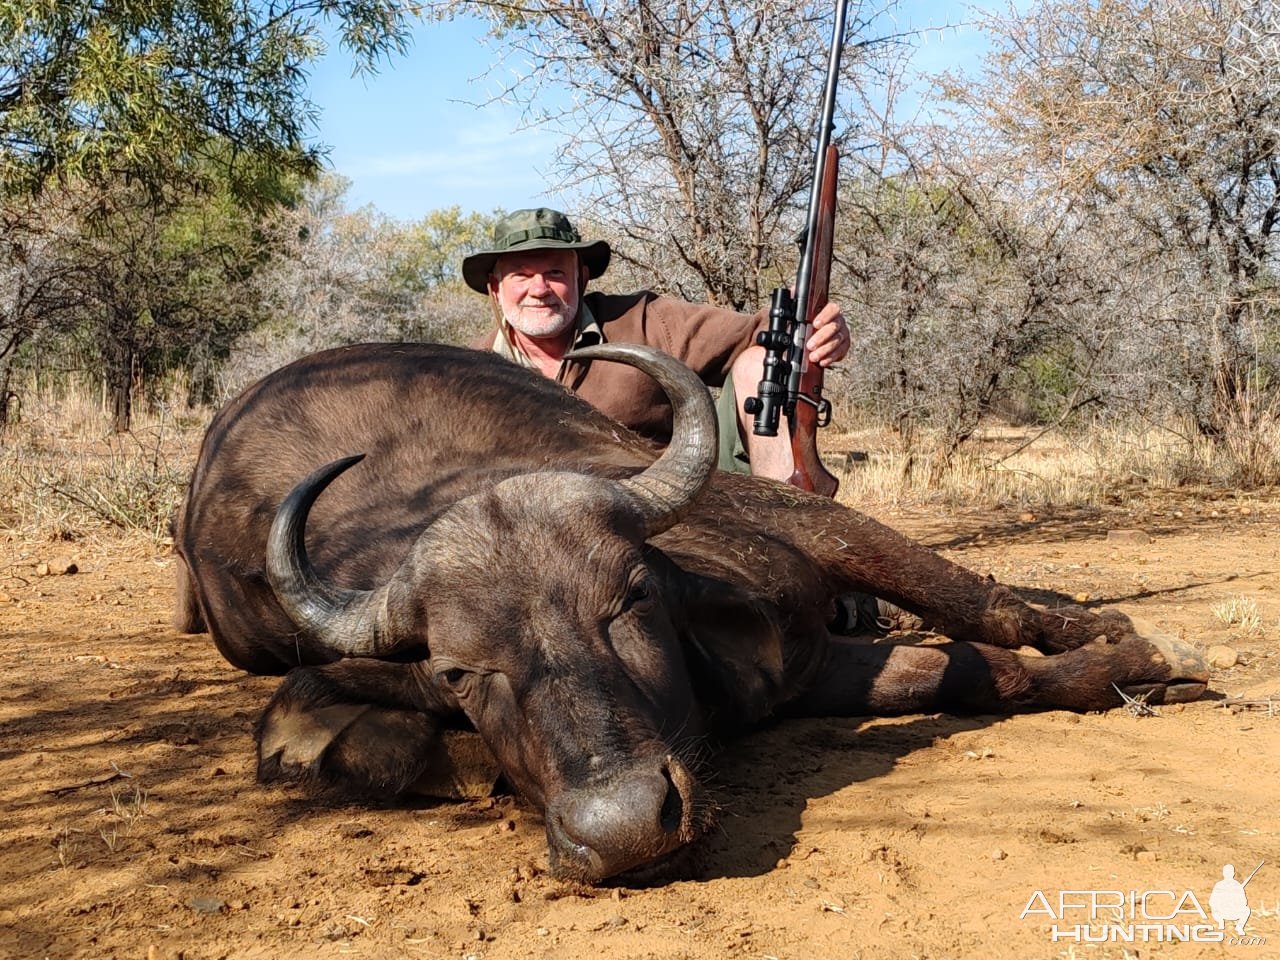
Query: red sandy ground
[(133, 826)]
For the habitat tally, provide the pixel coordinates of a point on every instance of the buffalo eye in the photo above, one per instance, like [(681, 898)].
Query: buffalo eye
[(451, 677), (637, 593)]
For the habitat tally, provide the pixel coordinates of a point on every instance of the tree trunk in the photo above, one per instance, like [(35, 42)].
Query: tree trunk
[(119, 382), (7, 399)]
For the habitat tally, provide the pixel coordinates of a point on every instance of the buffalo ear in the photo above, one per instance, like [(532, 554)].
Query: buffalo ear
[(733, 643)]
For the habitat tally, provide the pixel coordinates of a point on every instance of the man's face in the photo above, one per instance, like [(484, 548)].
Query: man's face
[(537, 291)]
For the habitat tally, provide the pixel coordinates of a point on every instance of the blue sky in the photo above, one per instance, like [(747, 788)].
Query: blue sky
[(412, 139)]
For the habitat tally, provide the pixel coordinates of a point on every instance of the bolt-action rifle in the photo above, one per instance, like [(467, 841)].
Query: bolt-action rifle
[(790, 384)]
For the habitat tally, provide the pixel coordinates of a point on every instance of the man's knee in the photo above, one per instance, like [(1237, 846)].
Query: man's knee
[(733, 451)]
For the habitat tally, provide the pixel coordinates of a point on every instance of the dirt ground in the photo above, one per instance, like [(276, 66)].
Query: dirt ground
[(133, 827)]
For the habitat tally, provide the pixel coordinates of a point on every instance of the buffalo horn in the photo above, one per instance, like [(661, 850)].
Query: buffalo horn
[(668, 487), (349, 623)]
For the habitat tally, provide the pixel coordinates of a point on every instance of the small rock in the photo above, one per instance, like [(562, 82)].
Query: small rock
[(998, 854), (1027, 517), (1128, 536), (527, 871), (5, 598), (1147, 856), (207, 904), (42, 569), (543, 931), (63, 568), (1222, 656), (1081, 598)]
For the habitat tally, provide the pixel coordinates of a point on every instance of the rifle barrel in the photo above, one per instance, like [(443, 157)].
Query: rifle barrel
[(826, 123)]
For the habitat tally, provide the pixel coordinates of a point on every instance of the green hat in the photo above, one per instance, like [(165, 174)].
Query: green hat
[(539, 229)]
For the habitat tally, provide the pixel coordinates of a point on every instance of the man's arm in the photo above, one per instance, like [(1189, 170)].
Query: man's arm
[(719, 345), (707, 339)]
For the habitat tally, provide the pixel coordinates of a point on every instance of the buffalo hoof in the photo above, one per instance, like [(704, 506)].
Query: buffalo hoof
[(1187, 671)]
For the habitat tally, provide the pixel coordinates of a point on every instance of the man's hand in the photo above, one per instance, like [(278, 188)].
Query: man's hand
[(828, 338)]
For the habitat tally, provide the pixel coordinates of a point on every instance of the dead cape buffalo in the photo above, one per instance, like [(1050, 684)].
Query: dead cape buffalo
[(508, 560)]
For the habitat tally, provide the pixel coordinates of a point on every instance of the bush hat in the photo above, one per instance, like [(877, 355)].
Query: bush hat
[(536, 229)]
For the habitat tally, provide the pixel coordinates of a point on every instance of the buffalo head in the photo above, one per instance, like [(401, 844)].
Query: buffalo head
[(543, 617)]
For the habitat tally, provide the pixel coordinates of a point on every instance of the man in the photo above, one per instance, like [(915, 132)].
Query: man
[(536, 276)]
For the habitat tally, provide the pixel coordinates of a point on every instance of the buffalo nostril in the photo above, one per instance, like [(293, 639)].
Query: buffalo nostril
[(671, 816)]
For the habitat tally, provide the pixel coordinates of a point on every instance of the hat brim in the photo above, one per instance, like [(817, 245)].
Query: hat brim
[(476, 268)]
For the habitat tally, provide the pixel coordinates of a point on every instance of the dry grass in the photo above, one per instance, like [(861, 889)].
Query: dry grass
[(1019, 467), (122, 818), (64, 475), (1241, 613)]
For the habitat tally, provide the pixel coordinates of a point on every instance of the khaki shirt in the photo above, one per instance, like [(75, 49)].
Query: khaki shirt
[(707, 339)]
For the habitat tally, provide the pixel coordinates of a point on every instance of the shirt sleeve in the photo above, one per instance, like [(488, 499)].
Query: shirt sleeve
[(707, 339)]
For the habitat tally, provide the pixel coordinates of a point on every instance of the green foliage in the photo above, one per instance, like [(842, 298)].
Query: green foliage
[(132, 88), (156, 282), (435, 246), (1046, 382)]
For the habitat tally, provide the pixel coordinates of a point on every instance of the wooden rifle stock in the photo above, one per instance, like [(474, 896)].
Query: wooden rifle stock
[(812, 410)]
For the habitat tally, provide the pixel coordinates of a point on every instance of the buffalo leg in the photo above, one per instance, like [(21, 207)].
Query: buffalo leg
[(878, 679), (369, 728), (863, 554), (187, 615)]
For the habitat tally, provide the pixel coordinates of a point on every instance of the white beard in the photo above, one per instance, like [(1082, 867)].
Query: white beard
[(540, 319)]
